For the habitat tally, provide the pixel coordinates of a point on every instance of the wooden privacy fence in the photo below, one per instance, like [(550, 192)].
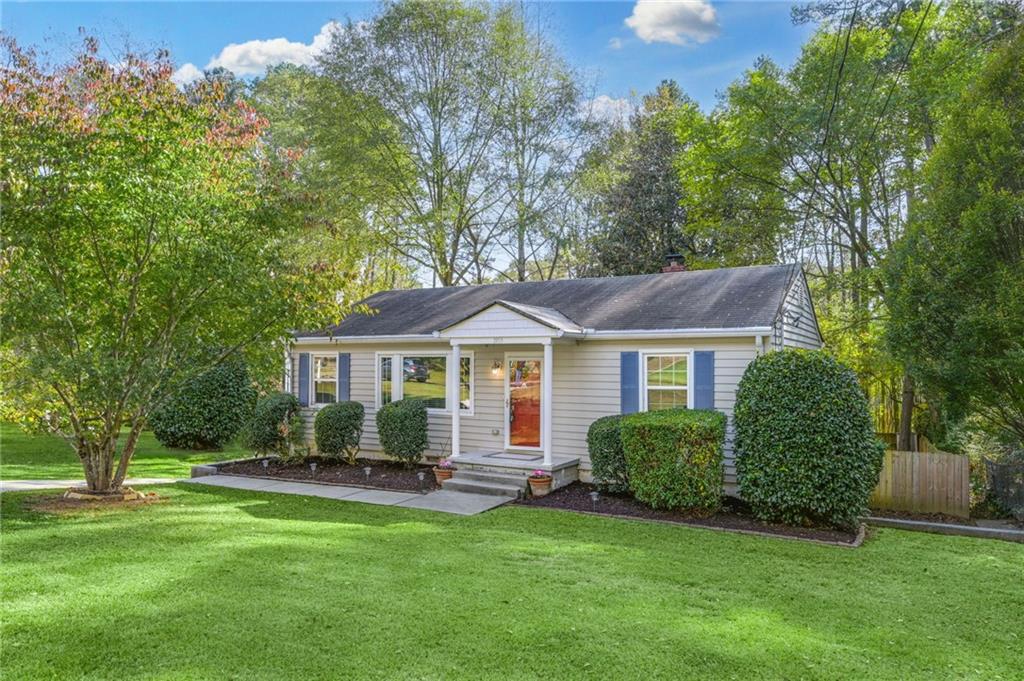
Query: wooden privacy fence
[(924, 482)]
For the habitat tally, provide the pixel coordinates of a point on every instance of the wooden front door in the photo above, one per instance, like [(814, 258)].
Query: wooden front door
[(522, 403)]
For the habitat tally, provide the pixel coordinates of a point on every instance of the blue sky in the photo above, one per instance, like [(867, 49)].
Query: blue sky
[(623, 47)]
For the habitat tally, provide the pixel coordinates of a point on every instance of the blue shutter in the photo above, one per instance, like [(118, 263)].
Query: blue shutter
[(629, 382), (704, 379), (304, 379), (344, 371)]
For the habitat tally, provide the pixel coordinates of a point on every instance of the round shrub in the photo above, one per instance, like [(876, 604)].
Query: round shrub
[(674, 458), (338, 428), (607, 460), (209, 411), (276, 427), (402, 429), (805, 444)]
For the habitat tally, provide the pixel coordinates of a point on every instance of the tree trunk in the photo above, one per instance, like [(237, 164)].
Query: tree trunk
[(126, 454), (98, 462), (905, 432)]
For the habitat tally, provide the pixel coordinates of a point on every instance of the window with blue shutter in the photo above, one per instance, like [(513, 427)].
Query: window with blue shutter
[(704, 379), (344, 373), (304, 379)]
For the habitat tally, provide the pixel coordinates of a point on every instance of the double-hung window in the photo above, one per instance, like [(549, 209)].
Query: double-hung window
[(325, 379), (666, 380), (423, 376)]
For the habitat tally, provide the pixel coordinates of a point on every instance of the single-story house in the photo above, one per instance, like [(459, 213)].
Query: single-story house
[(515, 373)]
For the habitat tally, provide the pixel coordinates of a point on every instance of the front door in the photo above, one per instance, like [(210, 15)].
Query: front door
[(522, 403)]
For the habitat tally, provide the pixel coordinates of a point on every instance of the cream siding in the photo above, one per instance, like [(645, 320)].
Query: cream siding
[(585, 387), (497, 321)]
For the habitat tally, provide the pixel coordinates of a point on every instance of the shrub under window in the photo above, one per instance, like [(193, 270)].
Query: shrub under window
[(607, 460), (402, 429), (805, 444), (276, 427), (338, 428), (674, 458), (209, 411)]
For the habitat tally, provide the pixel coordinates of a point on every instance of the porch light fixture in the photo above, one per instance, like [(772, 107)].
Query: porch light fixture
[(496, 368)]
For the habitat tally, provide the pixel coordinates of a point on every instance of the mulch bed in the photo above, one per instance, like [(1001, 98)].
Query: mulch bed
[(922, 517), (383, 474), (733, 516), (57, 504)]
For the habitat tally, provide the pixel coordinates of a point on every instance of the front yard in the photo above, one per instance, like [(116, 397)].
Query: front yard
[(217, 583), (47, 457)]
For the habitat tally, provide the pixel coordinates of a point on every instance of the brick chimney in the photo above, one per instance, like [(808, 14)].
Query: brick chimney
[(675, 263)]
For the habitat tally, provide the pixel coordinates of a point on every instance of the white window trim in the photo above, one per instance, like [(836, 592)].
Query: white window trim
[(311, 398), (644, 354), (398, 387)]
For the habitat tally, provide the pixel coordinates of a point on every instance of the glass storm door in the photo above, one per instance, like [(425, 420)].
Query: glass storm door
[(523, 403)]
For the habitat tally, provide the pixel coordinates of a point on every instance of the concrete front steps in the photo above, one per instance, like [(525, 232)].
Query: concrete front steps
[(477, 481)]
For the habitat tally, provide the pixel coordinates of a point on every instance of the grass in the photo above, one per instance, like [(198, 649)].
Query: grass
[(218, 583), (46, 457)]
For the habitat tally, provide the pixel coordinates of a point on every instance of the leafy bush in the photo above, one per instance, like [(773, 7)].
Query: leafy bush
[(338, 428), (208, 411), (805, 444), (674, 458), (402, 428), (608, 461), (276, 427)]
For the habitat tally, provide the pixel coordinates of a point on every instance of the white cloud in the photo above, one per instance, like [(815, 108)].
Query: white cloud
[(679, 22), (605, 108), (252, 57), (615, 44), (187, 73)]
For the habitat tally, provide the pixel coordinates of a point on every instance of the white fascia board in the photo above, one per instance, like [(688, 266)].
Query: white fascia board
[(736, 332), (365, 339)]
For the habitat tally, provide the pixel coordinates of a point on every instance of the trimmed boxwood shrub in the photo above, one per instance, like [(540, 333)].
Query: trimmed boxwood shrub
[(607, 460), (276, 427), (338, 428), (805, 444), (209, 411), (402, 429), (674, 458)]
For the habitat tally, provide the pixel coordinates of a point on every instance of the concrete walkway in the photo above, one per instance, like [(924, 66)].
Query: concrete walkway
[(444, 501), (30, 485)]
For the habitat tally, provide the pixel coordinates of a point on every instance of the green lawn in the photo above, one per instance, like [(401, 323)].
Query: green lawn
[(45, 457), (218, 583)]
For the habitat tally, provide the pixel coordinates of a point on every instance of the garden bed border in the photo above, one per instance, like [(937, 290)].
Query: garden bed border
[(203, 470), (948, 529)]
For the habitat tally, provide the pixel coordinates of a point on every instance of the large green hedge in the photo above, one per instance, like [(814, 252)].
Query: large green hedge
[(805, 444), (402, 429), (674, 458), (276, 427), (337, 429), (607, 460), (209, 411)]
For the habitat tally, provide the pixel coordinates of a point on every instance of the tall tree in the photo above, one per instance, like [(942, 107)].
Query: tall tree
[(143, 242), (433, 70), (958, 310), (543, 128), (638, 198)]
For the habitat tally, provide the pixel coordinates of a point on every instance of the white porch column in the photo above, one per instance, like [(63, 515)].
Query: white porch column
[(546, 392), (454, 391)]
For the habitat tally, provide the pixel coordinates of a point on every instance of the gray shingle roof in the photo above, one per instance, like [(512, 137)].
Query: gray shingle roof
[(703, 299)]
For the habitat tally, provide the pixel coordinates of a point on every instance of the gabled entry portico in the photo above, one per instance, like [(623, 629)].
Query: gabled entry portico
[(527, 376)]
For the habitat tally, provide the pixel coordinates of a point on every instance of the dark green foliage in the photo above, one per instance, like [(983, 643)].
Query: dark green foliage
[(805, 444), (209, 410), (674, 457), (338, 428), (276, 426), (957, 316), (608, 461), (402, 429)]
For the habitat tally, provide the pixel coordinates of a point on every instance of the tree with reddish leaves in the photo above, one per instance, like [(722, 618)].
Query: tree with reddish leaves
[(145, 239)]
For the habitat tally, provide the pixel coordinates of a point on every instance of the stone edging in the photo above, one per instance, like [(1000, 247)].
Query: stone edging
[(857, 541), (202, 470), (948, 529)]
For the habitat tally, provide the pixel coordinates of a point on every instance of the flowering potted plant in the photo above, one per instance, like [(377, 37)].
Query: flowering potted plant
[(443, 470), (540, 483)]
